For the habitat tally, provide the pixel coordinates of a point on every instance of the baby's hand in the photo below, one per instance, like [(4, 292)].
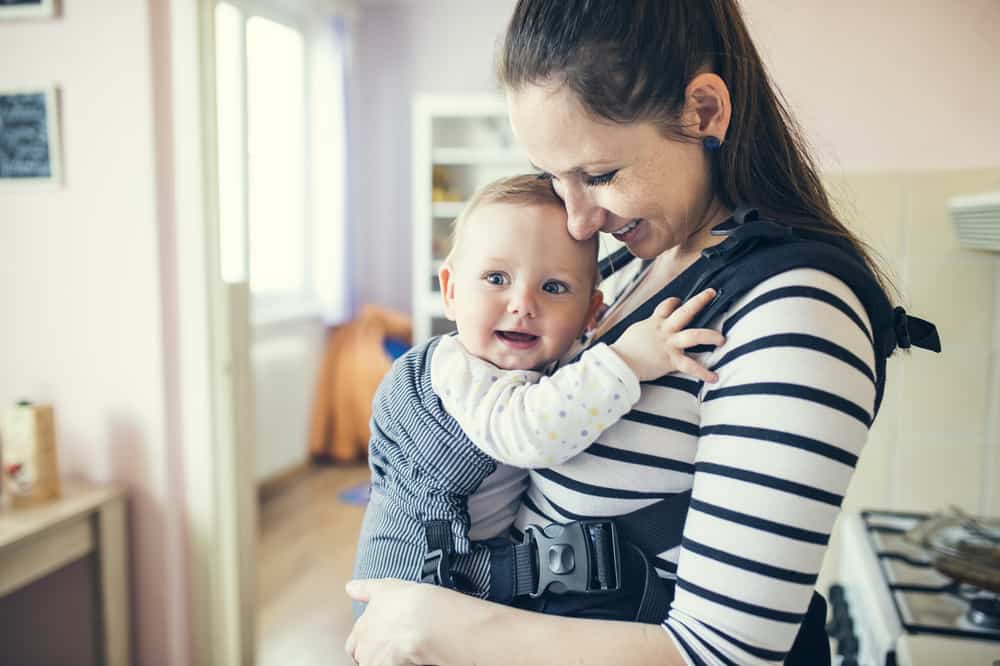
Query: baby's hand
[(655, 346)]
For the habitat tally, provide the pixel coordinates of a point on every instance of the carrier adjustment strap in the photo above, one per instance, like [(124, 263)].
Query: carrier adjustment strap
[(657, 594), (437, 561), (914, 332)]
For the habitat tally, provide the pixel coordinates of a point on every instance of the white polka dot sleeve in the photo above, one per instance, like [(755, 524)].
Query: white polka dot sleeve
[(527, 420)]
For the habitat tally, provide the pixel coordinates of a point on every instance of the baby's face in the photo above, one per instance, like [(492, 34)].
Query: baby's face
[(520, 289)]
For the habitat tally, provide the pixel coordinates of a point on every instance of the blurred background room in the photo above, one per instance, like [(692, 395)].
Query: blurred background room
[(234, 225)]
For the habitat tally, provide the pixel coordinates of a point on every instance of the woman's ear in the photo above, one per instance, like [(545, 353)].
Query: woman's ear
[(447, 290), (707, 106)]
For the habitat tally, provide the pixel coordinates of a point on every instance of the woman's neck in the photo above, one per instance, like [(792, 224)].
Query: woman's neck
[(667, 266), (683, 255)]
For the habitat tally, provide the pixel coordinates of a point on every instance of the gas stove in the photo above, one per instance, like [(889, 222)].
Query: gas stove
[(892, 608)]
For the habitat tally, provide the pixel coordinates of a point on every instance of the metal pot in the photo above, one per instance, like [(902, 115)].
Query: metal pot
[(961, 547)]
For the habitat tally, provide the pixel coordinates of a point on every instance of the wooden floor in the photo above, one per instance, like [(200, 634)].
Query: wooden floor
[(305, 554)]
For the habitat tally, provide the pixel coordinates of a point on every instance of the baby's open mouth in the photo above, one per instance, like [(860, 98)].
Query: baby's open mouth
[(516, 339)]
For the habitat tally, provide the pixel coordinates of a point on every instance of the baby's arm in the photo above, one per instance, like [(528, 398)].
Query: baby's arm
[(523, 419), (526, 424)]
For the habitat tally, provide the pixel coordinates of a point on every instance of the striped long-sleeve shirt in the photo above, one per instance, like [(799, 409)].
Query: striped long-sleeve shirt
[(767, 452)]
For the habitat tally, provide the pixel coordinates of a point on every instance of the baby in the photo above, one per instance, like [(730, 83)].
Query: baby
[(459, 419)]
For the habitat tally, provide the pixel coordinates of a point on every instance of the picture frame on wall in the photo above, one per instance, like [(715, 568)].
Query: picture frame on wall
[(20, 9), (29, 138)]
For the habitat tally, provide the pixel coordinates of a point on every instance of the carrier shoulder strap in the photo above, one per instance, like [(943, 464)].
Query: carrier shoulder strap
[(757, 248)]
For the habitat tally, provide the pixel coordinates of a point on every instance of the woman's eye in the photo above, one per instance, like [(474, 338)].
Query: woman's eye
[(602, 179), (496, 278), (555, 287), (552, 181)]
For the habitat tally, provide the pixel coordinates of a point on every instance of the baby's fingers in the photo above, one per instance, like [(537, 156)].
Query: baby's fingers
[(693, 337), (666, 307), (683, 315), (689, 366)]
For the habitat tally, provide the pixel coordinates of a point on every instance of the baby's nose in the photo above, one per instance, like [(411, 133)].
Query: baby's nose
[(522, 304)]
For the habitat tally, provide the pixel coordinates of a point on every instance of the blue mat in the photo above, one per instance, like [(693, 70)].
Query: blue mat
[(356, 495), (394, 348)]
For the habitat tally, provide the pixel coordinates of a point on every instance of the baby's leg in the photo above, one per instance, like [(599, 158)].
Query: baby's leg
[(391, 544)]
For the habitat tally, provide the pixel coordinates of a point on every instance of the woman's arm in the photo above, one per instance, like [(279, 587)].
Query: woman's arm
[(778, 443), (397, 628)]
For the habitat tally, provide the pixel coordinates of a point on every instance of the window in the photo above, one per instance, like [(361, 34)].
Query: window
[(276, 159), (268, 156)]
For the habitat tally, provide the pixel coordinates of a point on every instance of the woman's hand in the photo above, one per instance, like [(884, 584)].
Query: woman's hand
[(396, 624), (413, 623)]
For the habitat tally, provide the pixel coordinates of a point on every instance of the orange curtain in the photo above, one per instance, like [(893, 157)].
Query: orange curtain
[(353, 365)]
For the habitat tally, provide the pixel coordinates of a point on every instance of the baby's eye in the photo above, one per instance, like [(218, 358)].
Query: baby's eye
[(496, 277), (602, 179), (555, 287)]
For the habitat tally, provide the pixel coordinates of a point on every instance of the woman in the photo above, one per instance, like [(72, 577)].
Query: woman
[(655, 120)]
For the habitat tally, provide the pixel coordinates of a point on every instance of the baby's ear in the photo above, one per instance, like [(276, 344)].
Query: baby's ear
[(445, 276), (594, 310)]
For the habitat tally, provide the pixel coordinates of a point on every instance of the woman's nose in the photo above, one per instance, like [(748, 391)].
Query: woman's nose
[(584, 217)]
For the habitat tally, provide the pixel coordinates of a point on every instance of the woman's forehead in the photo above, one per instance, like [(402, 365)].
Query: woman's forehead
[(561, 137)]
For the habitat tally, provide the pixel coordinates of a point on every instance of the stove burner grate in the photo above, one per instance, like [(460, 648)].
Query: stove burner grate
[(984, 612)]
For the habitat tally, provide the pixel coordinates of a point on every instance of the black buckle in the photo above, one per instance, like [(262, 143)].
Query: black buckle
[(581, 557), (436, 568)]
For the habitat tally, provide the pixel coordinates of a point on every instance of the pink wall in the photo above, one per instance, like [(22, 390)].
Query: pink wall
[(879, 86), (889, 85), (80, 288), (440, 46)]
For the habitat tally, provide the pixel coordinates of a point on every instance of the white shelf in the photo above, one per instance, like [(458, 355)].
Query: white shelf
[(477, 156), (466, 135), (435, 308), (447, 208)]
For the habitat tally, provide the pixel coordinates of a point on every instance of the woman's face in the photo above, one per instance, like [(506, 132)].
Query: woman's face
[(653, 193)]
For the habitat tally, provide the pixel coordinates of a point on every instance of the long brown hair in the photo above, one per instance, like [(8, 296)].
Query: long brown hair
[(631, 60)]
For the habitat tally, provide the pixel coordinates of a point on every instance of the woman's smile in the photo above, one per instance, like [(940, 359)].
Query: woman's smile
[(627, 233)]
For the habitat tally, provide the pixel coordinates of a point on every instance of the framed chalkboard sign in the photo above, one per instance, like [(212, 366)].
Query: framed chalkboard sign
[(29, 138), (13, 9)]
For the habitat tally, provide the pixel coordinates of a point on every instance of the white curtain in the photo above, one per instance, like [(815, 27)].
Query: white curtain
[(330, 78)]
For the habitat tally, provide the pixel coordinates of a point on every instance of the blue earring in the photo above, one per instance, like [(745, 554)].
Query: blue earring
[(711, 143)]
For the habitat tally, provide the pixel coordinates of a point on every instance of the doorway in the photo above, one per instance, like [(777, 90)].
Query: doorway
[(274, 75)]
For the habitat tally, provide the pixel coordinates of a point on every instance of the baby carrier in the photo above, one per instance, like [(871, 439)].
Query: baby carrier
[(603, 568)]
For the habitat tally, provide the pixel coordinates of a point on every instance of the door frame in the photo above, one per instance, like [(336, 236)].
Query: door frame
[(214, 388)]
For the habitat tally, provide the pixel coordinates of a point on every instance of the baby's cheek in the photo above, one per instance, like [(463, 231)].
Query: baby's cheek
[(564, 336)]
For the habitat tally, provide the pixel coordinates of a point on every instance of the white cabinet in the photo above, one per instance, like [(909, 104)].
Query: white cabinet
[(460, 143)]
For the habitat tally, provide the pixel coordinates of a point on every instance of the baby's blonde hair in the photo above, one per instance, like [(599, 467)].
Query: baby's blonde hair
[(520, 190)]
